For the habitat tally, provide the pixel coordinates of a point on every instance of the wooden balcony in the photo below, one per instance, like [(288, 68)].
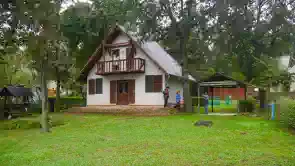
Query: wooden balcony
[(134, 65)]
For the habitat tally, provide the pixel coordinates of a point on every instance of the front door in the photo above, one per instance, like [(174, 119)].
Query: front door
[(123, 98)]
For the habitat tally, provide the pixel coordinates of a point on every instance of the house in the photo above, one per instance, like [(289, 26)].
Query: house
[(123, 71)]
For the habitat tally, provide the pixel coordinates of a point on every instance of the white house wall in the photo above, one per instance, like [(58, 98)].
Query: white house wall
[(141, 97), (174, 85)]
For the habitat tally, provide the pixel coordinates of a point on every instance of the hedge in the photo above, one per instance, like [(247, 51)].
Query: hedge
[(246, 105), (29, 123), (66, 102), (287, 112)]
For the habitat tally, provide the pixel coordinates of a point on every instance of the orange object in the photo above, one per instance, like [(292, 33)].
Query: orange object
[(51, 92)]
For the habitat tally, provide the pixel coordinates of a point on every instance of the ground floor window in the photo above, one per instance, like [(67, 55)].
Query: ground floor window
[(153, 83), (95, 86)]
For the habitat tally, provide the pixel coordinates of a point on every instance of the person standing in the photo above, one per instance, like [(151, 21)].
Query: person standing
[(166, 96), (178, 98), (206, 102)]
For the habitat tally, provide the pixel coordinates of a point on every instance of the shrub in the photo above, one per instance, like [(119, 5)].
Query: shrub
[(195, 101), (20, 124), (66, 102), (30, 123), (246, 105), (287, 112)]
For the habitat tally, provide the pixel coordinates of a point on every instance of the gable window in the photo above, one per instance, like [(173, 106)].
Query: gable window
[(153, 83), (91, 87), (98, 87)]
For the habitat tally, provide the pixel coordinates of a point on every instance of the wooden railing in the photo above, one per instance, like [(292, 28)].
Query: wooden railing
[(134, 65)]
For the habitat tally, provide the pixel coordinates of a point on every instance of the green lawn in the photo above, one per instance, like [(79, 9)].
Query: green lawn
[(172, 140), (221, 108)]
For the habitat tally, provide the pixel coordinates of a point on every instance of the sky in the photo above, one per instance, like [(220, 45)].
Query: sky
[(68, 3)]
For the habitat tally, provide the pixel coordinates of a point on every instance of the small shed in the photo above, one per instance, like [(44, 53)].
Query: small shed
[(16, 91), (15, 98), (218, 81)]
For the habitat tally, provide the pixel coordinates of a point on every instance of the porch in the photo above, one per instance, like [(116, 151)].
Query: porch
[(123, 110)]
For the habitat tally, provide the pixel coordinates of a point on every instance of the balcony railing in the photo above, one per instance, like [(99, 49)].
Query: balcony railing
[(134, 65)]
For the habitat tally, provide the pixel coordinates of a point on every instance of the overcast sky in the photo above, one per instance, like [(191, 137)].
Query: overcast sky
[(68, 3)]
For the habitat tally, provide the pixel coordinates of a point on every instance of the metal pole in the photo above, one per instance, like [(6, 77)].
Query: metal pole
[(212, 98)]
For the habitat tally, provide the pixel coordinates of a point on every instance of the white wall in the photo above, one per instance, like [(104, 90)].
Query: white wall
[(174, 85), (141, 97), (51, 84)]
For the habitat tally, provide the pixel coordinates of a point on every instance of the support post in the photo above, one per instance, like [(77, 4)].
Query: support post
[(199, 98), (212, 98), (245, 92)]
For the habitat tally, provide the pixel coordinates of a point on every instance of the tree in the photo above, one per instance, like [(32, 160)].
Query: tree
[(247, 31), (16, 70), (85, 25), (40, 19), (62, 64)]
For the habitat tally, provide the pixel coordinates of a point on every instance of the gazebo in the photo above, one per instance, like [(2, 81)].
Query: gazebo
[(15, 98), (219, 80)]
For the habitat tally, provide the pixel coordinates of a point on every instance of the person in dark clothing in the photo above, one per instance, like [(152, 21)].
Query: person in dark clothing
[(166, 96), (206, 98)]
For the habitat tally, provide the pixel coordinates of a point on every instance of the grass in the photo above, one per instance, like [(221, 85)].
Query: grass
[(171, 140), (222, 108)]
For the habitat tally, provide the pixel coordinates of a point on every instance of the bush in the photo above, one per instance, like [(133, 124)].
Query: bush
[(195, 101), (66, 102), (246, 105), (28, 124), (20, 124), (287, 112)]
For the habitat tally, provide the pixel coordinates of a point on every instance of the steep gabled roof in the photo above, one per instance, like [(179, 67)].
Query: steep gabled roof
[(16, 91), (166, 61), (151, 49)]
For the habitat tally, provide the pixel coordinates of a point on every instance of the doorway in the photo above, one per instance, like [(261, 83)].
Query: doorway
[(123, 97)]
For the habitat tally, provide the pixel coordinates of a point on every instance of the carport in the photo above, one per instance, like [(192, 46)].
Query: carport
[(219, 80)]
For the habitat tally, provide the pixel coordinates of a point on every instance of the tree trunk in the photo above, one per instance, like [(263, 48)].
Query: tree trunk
[(186, 87), (57, 98), (44, 116)]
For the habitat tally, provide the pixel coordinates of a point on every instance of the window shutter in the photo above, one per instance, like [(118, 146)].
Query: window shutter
[(91, 87), (149, 86), (113, 92), (158, 83), (99, 86)]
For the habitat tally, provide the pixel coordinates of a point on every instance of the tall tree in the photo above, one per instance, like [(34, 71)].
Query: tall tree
[(41, 19), (86, 24)]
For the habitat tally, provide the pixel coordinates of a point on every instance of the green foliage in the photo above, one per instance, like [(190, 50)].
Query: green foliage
[(68, 102), (20, 124), (29, 123), (195, 101), (246, 105), (87, 25), (287, 112)]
